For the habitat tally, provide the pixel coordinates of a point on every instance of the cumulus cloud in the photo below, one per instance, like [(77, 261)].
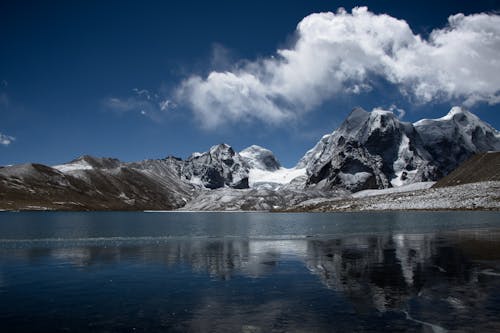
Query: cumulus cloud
[(6, 140), (337, 53), (142, 101)]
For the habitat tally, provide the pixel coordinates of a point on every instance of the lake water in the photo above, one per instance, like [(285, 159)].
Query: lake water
[(250, 272)]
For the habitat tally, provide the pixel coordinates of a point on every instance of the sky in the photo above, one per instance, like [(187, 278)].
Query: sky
[(147, 79)]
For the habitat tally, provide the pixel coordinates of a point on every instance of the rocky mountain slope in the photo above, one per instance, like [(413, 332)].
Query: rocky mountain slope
[(452, 139), (377, 150), (481, 167), (370, 150), (220, 166), (90, 184), (474, 196)]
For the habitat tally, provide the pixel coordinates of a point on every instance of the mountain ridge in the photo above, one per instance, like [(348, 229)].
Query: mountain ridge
[(377, 150), (369, 150)]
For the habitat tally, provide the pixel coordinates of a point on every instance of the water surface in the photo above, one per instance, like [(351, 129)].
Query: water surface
[(250, 272)]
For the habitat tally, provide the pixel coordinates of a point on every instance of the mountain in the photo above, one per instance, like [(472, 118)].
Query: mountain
[(220, 166), (257, 157), (370, 150), (377, 150), (314, 153), (266, 172), (452, 139), (84, 185), (87, 162)]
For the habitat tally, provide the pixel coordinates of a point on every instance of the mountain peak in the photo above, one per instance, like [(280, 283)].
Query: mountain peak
[(254, 147), (357, 115), (100, 162), (460, 114), (457, 110), (219, 167), (221, 147), (258, 157), (376, 149), (456, 113)]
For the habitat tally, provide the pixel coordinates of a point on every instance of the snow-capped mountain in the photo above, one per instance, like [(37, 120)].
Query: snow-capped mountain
[(220, 166), (265, 170), (257, 157), (377, 150), (83, 185), (314, 153), (370, 150), (87, 162), (452, 139), (163, 172)]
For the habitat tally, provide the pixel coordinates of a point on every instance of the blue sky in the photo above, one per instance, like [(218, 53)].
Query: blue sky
[(144, 79)]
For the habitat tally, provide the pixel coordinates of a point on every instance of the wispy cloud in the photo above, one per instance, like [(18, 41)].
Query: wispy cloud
[(6, 140), (5, 105), (141, 101), (400, 113), (4, 100), (337, 53)]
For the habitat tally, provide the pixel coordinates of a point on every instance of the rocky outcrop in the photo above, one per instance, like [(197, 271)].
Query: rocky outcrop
[(220, 166), (452, 139), (369, 150), (376, 150)]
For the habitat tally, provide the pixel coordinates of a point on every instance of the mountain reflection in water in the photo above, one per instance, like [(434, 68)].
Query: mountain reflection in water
[(429, 282)]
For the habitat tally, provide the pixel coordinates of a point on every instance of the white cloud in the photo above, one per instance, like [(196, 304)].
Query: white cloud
[(336, 53), (400, 113), (6, 140)]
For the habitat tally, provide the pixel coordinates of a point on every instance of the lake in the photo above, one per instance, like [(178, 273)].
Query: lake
[(249, 272)]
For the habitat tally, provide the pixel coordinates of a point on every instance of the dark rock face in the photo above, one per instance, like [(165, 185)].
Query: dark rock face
[(220, 166), (369, 150), (456, 137), (376, 150), (91, 183)]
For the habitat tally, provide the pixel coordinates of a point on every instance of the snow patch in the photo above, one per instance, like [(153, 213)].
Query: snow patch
[(79, 165), (400, 189), (196, 181), (280, 176), (398, 181), (352, 179)]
